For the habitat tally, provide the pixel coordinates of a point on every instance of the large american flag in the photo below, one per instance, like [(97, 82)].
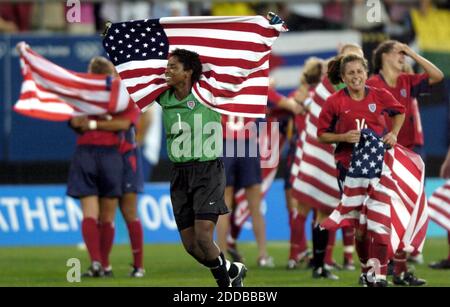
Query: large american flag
[(313, 173), (234, 52), (51, 92), (384, 195), (439, 206)]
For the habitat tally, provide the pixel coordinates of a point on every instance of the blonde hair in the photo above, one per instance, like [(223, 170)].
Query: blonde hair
[(101, 65)]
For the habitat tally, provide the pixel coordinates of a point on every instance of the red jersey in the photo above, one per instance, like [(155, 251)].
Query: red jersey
[(108, 138), (407, 89), (341, 114)]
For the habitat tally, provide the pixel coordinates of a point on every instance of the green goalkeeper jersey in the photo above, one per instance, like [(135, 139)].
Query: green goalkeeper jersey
[(193, 131)]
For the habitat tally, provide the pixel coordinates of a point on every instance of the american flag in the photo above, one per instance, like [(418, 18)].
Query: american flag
[(439, 206), (313, 173), (384, 195), (51, 92), (234, 52)]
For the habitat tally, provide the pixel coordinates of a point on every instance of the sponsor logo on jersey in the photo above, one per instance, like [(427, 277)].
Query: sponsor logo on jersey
[(372, 107), (191, 104)]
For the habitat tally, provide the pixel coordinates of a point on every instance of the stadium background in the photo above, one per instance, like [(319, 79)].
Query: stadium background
[(35, 154)]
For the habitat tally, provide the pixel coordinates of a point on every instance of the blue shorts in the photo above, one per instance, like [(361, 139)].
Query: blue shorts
[(133, 177), (241, 172), (95, 170)]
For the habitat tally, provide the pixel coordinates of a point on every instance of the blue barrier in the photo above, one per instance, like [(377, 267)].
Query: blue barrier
[(44, 215)]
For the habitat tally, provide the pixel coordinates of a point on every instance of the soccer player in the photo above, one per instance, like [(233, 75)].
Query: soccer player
[(389, 62), (198, 178), (95, 175), (342, 117)]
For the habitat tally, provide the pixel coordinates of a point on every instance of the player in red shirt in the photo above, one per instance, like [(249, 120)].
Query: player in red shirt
[(389, 63), (342, 117), (96, 175)]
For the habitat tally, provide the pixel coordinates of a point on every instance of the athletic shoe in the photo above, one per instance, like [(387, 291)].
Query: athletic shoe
[(381, 283), (238, 281), (408, 279), (322, 272), (363, 280), (107, 272), (332, 266), (137, 272), (266, 262), (349, 265), (95, 270), (291, 265), (440, 265)]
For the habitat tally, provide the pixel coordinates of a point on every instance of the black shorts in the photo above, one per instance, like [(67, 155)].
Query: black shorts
[(197, 192)]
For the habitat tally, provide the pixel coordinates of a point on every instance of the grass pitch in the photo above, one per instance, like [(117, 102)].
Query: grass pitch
[(168, 265)]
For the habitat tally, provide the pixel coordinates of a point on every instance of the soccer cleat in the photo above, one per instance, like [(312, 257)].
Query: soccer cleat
[(363, 280), (107, 272), (238, 281), (266, 262), (349, 265), (440, 265), (332, 266), (234, 253), (380, 283), (304, 256), (291, 265), (418, 259), (322, 272), (137, 272), (95, 270), (408, 279)]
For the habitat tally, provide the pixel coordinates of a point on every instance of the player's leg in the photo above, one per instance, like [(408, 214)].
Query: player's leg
[(320, 241), (128, 208), (348, 240), (108, 207), (223, 224), (91, 234)]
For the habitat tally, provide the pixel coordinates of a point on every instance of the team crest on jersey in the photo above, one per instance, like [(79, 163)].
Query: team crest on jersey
[(403, 92), (191, 104), (372, 107)]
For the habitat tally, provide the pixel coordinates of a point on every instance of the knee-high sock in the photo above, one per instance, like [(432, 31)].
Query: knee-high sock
[(219, 270), (362, 249), (137, 242), (379, 251), (91, 237), (400, 262), (106, 241), (330, 246), (297, 234), (320, 240), (348, 238)]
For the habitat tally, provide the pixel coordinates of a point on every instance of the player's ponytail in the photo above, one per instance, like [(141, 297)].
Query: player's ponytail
[(334, 69)]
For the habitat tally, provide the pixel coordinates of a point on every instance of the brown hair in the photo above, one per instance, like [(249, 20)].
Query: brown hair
[(101, 65), (312, 71), (377, 59), (336, 66)]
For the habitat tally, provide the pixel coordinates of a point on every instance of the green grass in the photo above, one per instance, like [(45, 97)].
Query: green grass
[(169, 265)]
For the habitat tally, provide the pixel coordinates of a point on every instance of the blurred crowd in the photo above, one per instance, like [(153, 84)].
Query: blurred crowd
[(394, 21)]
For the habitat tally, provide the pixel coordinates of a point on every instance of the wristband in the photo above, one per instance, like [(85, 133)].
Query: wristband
[(92, 125)]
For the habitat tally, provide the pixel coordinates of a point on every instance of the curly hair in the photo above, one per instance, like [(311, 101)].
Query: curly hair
[(190, 61)]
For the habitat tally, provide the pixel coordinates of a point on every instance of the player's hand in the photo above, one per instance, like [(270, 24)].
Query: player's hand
[(274, 19), (390, 139), (405, 49), (352, 136), (20, 47), (78, 121)]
